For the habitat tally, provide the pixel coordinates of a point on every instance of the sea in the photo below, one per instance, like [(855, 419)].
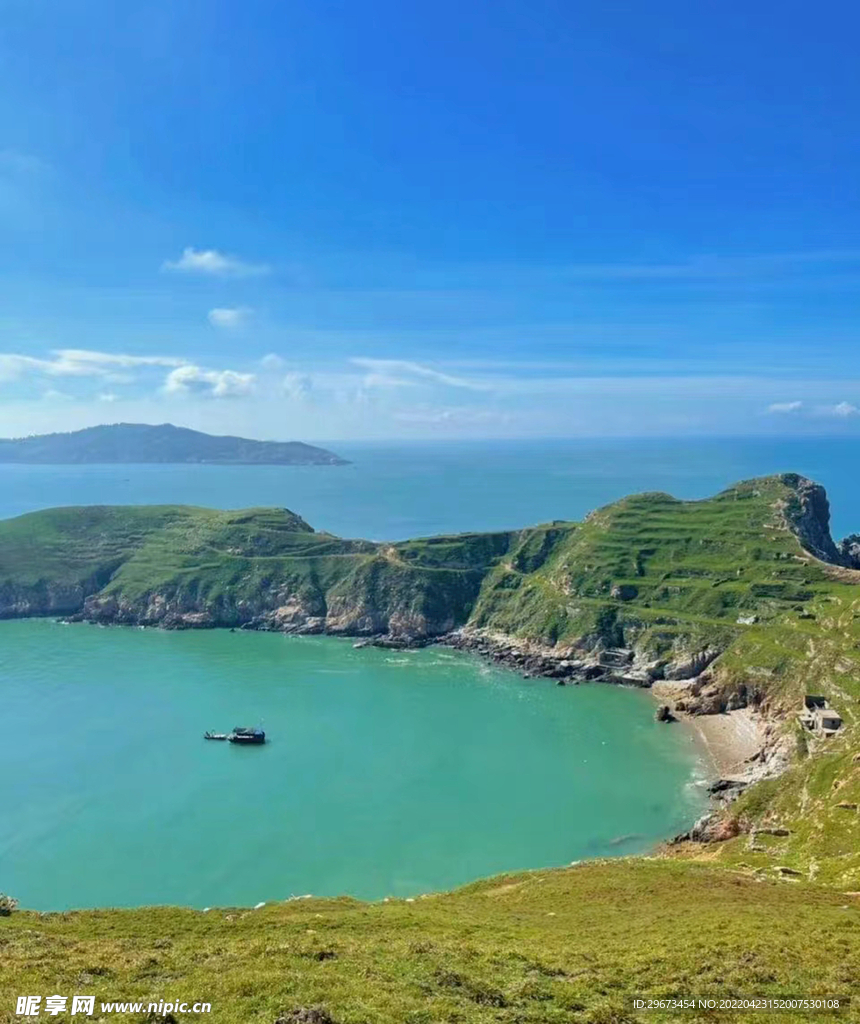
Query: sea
[(388, 773), (394, 491)]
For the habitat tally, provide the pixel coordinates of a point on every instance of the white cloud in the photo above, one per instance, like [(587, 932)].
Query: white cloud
[(297, 385), (229, 318), (387, 380), (14, 366), (215, 383), (210, 261), (402, 397), (782, 407), (184, 376)]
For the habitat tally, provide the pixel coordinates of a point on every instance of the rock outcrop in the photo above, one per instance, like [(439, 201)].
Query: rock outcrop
[(714, 827), (807, 513), (849, 550)]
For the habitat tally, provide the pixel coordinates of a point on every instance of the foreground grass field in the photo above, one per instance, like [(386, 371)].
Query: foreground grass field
[(572, 945)]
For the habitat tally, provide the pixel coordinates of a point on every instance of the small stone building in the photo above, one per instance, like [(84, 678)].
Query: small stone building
[(818, 716)]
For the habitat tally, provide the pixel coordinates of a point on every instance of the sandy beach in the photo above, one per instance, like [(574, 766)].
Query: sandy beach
[(728, 739)]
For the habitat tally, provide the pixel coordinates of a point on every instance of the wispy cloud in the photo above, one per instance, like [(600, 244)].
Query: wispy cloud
[(297, 385), (273, 363), (841, 410), (13, 366), (401, 372), (190, 379), (214, 263), (229, 318), (708, 267), (383, 397), (82, 357), (70, 362), (451, 416)]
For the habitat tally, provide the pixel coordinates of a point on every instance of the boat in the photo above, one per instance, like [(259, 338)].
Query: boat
[(214, 735), (245, 735)]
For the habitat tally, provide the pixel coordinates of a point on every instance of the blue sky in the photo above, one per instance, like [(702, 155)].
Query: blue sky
[(381, 220)]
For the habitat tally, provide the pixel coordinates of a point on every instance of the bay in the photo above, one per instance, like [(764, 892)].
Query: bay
[(387, 772)]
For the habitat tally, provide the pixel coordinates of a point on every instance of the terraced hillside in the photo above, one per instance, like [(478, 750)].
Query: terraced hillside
[(653, 568)]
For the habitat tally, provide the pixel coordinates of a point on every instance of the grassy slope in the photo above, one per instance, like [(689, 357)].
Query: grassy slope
[(220, 560), (694, 568), (545, 947), (68, 545)]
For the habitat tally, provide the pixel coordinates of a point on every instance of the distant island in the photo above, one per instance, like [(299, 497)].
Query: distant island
[(143, 442)]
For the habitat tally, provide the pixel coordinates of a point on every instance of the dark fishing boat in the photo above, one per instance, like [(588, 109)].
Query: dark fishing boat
[(247, 735)]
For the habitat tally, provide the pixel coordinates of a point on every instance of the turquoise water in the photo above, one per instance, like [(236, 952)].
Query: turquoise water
[(392, 492), (387, 772)]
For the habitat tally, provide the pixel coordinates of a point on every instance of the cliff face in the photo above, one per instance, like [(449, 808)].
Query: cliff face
[(20, 599), (807, 513), (375, 598), (42, 598)]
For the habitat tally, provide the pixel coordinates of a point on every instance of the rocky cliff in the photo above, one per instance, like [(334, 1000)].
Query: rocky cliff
[(807, 514)]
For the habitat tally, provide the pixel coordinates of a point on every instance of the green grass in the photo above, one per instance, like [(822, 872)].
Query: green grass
[(701, 563), (146, 563), (572, 945)]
